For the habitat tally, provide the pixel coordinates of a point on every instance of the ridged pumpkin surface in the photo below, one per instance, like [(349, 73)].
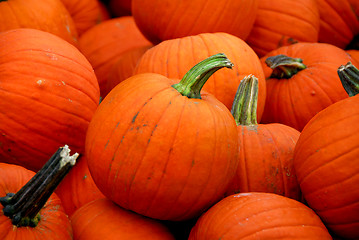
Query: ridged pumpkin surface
[(158, 153), (327, 166), (49, 94)]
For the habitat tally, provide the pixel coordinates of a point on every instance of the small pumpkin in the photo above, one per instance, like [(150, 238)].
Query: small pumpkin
[(326, 160), (103, 218), (28, 207), (49, 95), (264, 216), (301, 80), (173, 58), (265, 150), (163, 148), (170, 19)]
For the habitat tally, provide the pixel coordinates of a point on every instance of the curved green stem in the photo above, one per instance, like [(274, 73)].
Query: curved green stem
[(24, 206), (284, 66), (244, 108), (193, 81), (349, 76)]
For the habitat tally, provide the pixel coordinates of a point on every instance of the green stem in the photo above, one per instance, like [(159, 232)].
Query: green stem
[(244, 108), (193, 81), (349, 76), (23, 207), (284, 66)]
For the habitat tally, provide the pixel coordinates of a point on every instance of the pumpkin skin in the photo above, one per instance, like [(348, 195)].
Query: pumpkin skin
[(282, 23), (259, 216), (150, 142), (124, 66), (77, 188), (54, 223), (85, 13), (103, 219), (49, 93), (326, 162), (175, 19), (355, 55), (173, 58), (296, 100), (105, 42), (339, 21), (49, 16)]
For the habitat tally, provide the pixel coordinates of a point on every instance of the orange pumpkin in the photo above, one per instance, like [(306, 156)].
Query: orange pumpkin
[(49, 95), (173, 58), (49, 16), (282, 23), (168, 19), (161, 148)]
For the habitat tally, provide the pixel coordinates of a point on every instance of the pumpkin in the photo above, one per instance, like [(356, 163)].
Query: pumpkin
[(339, 21), (163, 148), (105, 42), (124, 66), (259, 216), (326, 160), (173, 58), (103, 219), (168, 19), (77, 188), (85, 13), (354, 54), (28, 209), (49, 16), (49, 94), (265, 150), (301, 81), (282, 23)]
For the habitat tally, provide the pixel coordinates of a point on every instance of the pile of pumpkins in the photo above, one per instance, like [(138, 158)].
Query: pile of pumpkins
[(179, 119)]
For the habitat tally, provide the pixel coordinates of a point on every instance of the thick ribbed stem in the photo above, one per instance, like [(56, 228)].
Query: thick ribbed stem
[(24, 206), (193, 81), (284, 66), (349, 76), (244, 108)]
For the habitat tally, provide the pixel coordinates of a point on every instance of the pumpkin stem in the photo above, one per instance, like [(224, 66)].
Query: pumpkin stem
[(193, 81), (284, 66), (244, 108), (24, 206), (349, 76)]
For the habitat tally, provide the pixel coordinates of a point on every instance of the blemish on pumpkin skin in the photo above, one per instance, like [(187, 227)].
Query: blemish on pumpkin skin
[(134, 117), (40, 82)]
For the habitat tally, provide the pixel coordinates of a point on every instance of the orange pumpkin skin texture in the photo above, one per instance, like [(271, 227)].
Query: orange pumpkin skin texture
[(103, 219), (339, 21), (54, 223), (327, 166), (296, 100), (124, 66), (85, 13), (105, 42), (166, 19), (259, 216), (283, 23), (173, 58), (77, 188), (49, 16), (49, 93), (355, 55), (158, 153)]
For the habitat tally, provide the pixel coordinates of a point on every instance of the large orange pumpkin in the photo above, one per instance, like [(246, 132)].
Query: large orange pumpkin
[(49, 94), (28, 209), (283, 22), (49, 16), (168, 19), (252, 216), (265, 150), (161, 148), (301, 80), (327, 164), (173, 58)]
